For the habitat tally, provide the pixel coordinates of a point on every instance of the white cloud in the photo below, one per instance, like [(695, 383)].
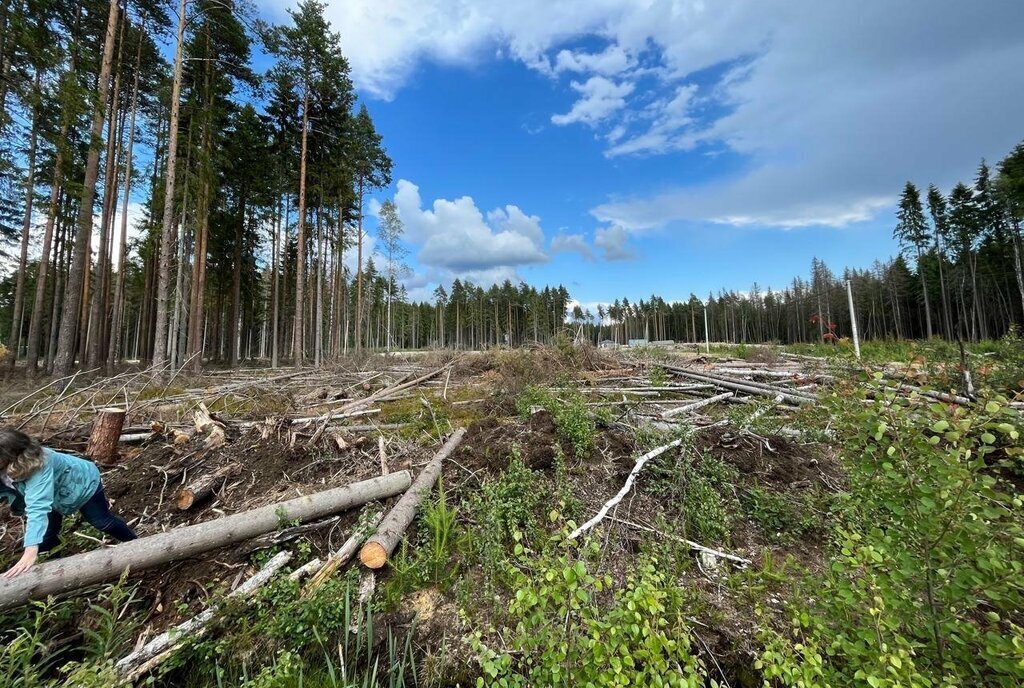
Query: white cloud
[(454, 236), (831, 105), (600, 98), (571, 243), (613, 241), (610, 62), (668, 131)]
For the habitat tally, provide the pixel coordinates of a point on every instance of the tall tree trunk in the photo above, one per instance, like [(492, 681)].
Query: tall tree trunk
[(275, 291), (26, 228), (35, 323), (236, 287), (65, 357), (167, 225), (977, 323), (94, 338), (924, 291), (117, 319), (61, 265), (1018, 266), (298, 334), (5, 64), (359, 273), (319, 315)]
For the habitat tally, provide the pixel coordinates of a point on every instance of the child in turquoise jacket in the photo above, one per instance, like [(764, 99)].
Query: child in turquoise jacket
[(45, 486)]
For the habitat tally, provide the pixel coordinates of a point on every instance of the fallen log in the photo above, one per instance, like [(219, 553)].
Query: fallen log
[(307, 569), (89, 568), (344, 553), (697, 405), (205, 485), (374, 554), (746, 386), (625, 488), (387, 392), (150, 655), (106, 431)]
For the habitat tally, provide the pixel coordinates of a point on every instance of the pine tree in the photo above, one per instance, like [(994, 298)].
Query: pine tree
[(912, 232)]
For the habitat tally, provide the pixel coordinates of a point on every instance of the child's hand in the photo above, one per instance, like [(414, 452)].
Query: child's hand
[(28, 559)]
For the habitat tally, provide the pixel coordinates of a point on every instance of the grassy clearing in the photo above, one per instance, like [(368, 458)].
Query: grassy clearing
[(900, 566)]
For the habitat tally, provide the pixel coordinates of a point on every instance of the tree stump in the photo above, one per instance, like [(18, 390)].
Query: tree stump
[(106, 431), (205, 485)]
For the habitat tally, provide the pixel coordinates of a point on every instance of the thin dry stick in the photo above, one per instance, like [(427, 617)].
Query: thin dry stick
[(625, 488)]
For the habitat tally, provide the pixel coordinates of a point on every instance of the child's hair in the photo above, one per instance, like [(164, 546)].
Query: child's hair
[(20, 455)]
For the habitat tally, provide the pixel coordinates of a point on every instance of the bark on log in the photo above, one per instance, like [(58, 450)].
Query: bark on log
[(745, 386), (106, 431), (344, 553), (697, 405), (205, 485), (101, 565), (307, 569), (150, 655), (374, 554)]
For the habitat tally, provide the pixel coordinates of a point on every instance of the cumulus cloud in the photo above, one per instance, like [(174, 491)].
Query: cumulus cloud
[(599, 98), (611, 61), (613, 242), (571, 243), (454, 236)]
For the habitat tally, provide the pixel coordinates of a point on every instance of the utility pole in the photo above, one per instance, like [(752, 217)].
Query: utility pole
[(707, 340), (853, 320)]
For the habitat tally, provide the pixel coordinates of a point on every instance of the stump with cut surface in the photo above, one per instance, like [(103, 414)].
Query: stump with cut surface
[(374, 554), (205, 485), (106, 432)]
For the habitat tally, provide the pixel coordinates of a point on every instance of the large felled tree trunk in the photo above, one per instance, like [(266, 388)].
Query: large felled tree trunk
[(64, 360), (374, 554), (163, 294), (97, 566)]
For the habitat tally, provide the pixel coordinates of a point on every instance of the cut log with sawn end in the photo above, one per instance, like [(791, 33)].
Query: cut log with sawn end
[(98, 566), (374, 554)]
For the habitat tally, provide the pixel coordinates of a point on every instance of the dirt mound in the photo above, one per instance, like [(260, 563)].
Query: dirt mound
[(490, 443), (145, 484), (777, 461)]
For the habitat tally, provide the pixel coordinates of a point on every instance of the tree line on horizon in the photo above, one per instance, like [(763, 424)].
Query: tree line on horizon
[(959, 276), (254, 186)]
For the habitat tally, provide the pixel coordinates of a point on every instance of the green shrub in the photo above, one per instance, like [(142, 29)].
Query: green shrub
[(567, 632), (570, 413), (701, 488), (782, 515), (924, 585), (504, 506)]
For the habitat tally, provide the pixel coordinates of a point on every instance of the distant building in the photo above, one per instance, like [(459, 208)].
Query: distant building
[(637, 342), (608, 344)]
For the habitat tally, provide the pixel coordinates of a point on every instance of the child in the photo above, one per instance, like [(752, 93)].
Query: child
[(46, 486)]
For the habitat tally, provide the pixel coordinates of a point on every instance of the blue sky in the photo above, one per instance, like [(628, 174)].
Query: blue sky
[(629, 148)]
